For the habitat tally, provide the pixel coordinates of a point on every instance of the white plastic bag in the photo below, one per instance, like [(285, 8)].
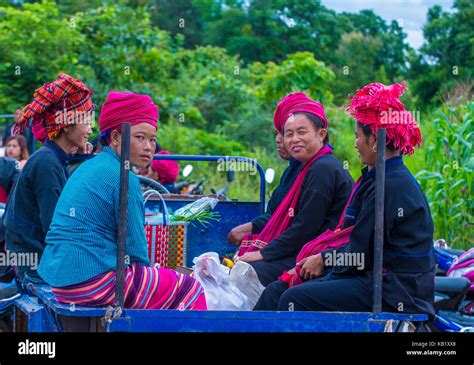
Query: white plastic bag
[(199, 205), (220, 293), (245, 278)]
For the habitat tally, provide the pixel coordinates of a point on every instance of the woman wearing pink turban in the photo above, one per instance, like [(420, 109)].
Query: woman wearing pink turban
[(165, 172), (334, 271), (287, 179), (314, 202), (80, 258)]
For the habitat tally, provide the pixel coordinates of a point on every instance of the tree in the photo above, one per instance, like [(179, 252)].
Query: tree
[(357, 64), (299, 72), (447, 56), (180, 17), (309, 26), (393, 52), (30, 38), (264, 30), (248, 31), (365, 21)]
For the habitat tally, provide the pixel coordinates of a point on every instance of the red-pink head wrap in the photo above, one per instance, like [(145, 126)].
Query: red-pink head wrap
[(294, 103), (379, 106), (120, 107), (167, 170)]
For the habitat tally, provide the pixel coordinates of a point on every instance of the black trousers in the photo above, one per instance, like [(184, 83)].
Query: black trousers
[(269, 271), (20, 244), (320, 295)]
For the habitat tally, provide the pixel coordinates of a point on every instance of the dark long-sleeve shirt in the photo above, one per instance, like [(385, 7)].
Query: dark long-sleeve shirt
[(286, 182), (324, 193), (408, 257), (32, 202), (8, 173)]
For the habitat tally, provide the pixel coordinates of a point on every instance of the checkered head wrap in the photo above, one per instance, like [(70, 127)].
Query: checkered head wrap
[(55, 105)]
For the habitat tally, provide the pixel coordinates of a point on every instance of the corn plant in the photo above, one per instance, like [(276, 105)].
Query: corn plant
[(447, 175)]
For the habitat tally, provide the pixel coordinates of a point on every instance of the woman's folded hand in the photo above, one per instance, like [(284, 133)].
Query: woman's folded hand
[(236, 234), (312, 267)]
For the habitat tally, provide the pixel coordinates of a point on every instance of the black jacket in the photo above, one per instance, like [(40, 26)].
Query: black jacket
[(8, 176), (8, 173), (286, 182), (324, 193), (32, 202), (408, 258)]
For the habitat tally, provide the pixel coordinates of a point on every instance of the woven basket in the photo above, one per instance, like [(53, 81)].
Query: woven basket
[(167, 241)]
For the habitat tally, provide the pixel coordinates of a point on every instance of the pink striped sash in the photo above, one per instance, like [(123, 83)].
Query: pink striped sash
[(283, 215), (145, 288), (326, 240)]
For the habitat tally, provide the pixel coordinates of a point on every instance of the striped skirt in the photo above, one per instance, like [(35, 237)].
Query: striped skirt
[(145, 288)]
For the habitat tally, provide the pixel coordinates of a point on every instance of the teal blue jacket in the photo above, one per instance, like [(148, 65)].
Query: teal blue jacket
[(82, 240)]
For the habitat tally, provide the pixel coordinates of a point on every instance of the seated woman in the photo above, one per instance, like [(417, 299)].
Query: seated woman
[(237, 234), (79, 261), (59, 116), (165, 172), (408, 262), (316, 198)]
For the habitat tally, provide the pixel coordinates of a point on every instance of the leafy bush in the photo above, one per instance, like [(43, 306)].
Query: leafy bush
[(30, 39), (299, 72)]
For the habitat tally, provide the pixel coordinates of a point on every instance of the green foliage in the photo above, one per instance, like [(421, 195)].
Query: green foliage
[(208, 77), (299, 72), (365, 21), (341, 137), (186, 18), (357, 64), (29, 39), (270, 31), (191, 141), (124, 51), (447, 176), (391, 50), (217, 79), (448, 52)]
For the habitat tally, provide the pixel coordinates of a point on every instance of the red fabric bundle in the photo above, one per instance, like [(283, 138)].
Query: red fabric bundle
[(122, 107), (379, 106), (297, 103), (326, 240), (167, 170), (281, 218)]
